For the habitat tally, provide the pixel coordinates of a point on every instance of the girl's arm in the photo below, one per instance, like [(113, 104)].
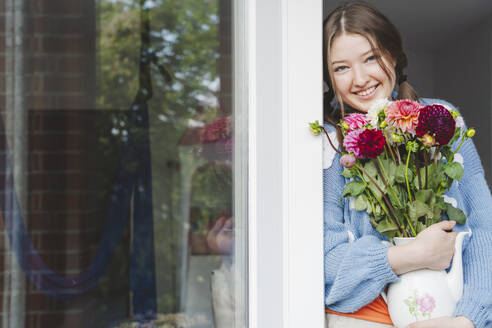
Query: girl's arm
[(355, 272)]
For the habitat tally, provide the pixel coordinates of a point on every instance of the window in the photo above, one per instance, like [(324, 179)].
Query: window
[(124, 166)]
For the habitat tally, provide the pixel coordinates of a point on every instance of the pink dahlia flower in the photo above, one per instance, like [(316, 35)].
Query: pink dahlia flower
[(438, 122), (356, 121), (367, 143), (404, 114), (426, 303)]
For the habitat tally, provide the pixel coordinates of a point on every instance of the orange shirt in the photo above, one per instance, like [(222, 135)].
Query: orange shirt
[(376, 311)]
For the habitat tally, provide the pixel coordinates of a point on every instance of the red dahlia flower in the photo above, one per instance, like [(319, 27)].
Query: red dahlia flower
[(368, 143), (438, 122)]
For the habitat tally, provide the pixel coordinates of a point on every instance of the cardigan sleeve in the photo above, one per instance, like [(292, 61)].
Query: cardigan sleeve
[(355, 272), (476, 302)]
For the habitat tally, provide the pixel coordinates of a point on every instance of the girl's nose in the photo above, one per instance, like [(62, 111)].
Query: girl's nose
[(361, 78)]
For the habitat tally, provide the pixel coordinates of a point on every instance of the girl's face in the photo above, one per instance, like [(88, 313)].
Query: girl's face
[(357, 75)]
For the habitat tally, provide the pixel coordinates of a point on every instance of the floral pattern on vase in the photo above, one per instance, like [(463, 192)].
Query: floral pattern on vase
[(420, 307)]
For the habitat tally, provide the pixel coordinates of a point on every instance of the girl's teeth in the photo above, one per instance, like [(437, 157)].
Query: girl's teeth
[(366, 92)]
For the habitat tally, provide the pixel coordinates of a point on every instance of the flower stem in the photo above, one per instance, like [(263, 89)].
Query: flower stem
[(417, 166), (398, 154), (426, 162), (392, 210), (389, 147), (462, 139), (406, 176), (380, 169), (329, 139), (411, 226)]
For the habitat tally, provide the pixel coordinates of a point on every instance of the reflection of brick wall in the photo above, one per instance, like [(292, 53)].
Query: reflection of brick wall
[(63, 47), (67, 205), (65, 213)]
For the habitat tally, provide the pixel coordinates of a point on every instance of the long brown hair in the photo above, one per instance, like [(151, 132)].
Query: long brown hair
[(363, 19)]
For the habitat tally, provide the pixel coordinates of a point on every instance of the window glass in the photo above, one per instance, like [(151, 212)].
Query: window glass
[(117, 174)]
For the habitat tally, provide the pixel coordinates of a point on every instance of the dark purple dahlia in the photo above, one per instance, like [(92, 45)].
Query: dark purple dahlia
[(438, 122)]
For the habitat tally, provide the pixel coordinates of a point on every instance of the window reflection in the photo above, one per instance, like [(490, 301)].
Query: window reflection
[(116, 145)]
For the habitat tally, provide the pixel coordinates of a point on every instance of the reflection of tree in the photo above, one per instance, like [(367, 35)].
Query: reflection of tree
[(184, 39)]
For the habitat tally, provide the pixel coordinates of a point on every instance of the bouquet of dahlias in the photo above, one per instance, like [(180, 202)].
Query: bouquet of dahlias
[(400, 161)]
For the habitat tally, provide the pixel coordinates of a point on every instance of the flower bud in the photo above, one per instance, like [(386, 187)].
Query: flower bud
[(383, 124), (396, 138), (345, 126), (347, 161), (315, 128), (470, 133), (412, 146), (428, 140)]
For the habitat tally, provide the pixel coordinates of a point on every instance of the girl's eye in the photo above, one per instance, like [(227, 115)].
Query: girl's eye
[(371, 58), (340, 68)]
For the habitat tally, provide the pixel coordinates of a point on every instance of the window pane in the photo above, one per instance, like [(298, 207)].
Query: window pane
[(119, 169)]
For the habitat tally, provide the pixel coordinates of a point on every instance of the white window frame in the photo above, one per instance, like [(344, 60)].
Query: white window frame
[(285, 219)]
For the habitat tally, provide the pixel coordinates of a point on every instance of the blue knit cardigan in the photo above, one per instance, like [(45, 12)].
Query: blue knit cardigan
[(356, 265)]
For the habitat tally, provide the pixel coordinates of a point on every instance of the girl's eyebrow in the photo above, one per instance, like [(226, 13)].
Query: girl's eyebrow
[(341, 61)]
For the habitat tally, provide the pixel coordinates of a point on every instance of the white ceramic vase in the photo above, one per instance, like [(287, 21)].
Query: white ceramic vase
[(426, 294)]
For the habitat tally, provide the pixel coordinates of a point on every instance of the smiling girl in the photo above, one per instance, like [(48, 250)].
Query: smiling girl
[(363, 62)]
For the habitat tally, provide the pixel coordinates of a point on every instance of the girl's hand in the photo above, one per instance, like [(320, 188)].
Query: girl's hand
[(447, 322), (433, 248), (219, 238), (436, 245)]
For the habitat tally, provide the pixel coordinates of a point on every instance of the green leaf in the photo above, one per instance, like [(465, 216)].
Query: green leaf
[(419, 226), (424, 195), (447, 152), (400, 174), (454, 170), (360, 203), (417, 209), (433, 216), (440, 202), (370, 169), (435, 175), (455, 214), (353, 188), (378, 210), (395, 200), (375, 190), (386, 226), (348, 173), (389, 167)]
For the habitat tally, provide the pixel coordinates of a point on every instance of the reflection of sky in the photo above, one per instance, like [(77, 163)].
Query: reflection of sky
[(149, 4), (168, 36)]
